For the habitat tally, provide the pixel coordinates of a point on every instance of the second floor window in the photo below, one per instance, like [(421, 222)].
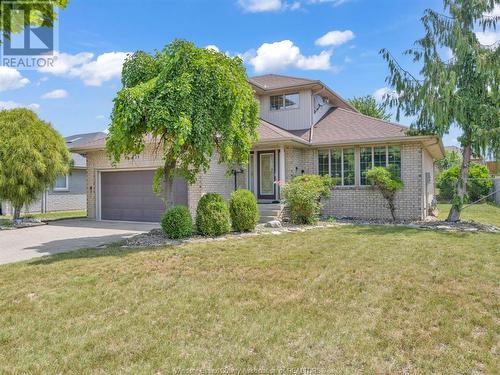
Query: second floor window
[(285, 101)]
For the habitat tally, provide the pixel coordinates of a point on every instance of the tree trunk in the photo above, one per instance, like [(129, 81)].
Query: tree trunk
[(17, 212), (458, 199)]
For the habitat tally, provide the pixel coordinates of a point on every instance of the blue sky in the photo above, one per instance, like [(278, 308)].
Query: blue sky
[(336, 41)]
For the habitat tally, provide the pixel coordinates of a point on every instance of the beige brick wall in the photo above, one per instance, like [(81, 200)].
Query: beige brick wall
[(366, 202), (360, 201), (215, 180)]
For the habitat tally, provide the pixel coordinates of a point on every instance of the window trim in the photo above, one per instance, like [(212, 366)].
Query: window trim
[(373, 159), (284, 108), (66, 188), (341, 163)]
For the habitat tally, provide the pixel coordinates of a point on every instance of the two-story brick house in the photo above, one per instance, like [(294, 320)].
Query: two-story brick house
[(306, 128)]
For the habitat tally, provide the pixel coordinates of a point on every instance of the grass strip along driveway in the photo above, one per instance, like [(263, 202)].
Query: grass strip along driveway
[(343, 299)]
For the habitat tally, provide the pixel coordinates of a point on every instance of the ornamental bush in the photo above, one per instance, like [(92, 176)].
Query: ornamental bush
[(244, 211), (303, 197), (212, 215), (387, 181), (176, 222), (478, 184)]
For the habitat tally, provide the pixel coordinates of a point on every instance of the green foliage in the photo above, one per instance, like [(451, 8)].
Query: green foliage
[(451, 158), (368, 106), (303, 197), (244, 210), (177, 222), (32, 155), (45, 14), (192, 102), (387, 181), (460, 91), (478, 184), (212, 215)]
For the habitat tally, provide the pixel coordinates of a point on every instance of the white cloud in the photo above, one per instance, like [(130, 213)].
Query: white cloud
[(64, 63), (55, 94), (9, 104), (255, 6), (212, 47), (488, 38), (335, 38), (382, 93), (11, 79), (495, 12), (92, 72), (281, 55)]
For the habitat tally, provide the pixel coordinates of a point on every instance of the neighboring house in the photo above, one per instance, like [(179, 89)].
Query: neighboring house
[(68, 192), (306, 128)]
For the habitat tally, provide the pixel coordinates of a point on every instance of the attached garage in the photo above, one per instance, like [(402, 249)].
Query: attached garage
[(129, 196)]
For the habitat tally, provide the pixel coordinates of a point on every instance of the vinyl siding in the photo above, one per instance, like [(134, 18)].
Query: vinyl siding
[(290, 119)]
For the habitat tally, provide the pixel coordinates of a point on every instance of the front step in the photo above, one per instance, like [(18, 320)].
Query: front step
[(270, 211)]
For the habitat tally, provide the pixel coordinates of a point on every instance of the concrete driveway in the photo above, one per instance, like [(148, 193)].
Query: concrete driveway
[(64, 235)]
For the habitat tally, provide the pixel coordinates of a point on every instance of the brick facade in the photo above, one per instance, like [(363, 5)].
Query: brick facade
[(358, 201)]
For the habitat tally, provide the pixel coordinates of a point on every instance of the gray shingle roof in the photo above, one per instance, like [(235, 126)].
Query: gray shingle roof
[(276, 81)]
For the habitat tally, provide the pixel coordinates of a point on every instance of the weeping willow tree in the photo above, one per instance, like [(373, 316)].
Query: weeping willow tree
[(190, 103), (460, 91)]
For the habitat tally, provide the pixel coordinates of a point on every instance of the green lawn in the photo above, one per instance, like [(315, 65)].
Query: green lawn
[(486, 213), (55, 215), (346, 299)]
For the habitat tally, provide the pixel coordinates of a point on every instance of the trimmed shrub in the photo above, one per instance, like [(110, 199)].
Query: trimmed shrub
[(303, 197), (478, 185), (177, 222), (212, 215), (386, 180), (244, 211)]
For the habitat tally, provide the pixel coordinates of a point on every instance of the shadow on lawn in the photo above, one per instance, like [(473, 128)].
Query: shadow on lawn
[(111, 249)]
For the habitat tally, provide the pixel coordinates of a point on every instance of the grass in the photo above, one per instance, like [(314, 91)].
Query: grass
[(486, 213), (54, 215), (346, 299)]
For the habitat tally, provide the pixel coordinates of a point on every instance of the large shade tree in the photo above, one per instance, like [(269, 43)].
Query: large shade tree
[(190, 104), (367, 105), (32, 155), (461, 90)]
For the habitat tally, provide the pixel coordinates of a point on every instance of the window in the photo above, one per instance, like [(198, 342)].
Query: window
[(61, 183), (349, 165), (337, 163), (286, 101), (323, 163), (365, 162), (276, 102), (384, 156), (394, 159)]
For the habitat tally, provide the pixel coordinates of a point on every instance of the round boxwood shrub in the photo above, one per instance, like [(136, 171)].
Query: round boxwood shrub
[(177, 222), (478, 185), (244, 211), (212, 215)]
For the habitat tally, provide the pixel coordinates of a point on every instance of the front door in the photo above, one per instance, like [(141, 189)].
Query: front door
[(266, 165)]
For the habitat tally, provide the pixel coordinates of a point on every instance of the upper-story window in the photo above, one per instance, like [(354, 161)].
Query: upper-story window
[(284, 101)]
